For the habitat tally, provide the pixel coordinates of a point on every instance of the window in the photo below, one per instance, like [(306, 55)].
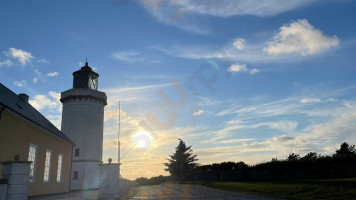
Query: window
[(75, 175), (32, 155), (59, 169), (76, 152), (47, 169)]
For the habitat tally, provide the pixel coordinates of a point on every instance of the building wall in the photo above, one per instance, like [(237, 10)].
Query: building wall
[(83, 123), (88, 175), (16, 134)]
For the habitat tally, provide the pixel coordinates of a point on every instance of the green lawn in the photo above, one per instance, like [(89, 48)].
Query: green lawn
[(293, 189)]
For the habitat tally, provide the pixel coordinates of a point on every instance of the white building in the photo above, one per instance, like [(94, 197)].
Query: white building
[(82, 122)]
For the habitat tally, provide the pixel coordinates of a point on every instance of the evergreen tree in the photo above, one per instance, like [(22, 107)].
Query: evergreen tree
[(345, 150), (182, 161)]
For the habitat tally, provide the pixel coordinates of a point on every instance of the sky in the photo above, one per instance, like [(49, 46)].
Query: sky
[(237, 80)]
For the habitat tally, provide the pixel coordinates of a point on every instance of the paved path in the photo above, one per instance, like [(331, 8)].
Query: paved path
[(184, 191), (160, 192)]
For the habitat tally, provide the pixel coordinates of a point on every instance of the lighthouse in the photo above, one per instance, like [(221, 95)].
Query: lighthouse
[(82, 122)]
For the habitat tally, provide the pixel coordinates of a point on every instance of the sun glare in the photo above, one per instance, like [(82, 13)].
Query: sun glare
[(142, 139)]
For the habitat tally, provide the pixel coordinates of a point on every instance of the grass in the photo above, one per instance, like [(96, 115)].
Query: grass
[(292, 189)]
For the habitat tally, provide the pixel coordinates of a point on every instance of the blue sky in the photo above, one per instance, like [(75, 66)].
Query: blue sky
[(238, 80)]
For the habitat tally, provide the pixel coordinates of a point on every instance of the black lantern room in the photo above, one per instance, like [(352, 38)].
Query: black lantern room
[(85, 78)]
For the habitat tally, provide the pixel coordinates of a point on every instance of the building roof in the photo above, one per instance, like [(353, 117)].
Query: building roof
[(15, 103), (86, 68)]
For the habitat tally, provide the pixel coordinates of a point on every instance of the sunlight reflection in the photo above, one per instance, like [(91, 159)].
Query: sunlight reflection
[(142, 139)]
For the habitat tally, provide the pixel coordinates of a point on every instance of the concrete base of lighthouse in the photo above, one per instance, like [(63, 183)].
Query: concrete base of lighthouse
[(88, 175), (109, 181)]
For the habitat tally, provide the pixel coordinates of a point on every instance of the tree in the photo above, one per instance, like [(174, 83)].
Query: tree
[(345, 150), (293, 156), (182, 161), (310, 156)]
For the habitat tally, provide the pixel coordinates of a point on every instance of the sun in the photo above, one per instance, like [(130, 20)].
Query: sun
[(141, 143), (142, 139)]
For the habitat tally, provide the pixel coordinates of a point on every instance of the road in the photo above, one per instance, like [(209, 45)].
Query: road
[(184, 191)]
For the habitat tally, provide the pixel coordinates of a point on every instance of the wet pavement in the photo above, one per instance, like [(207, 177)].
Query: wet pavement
[(160, 192), (185, 191)]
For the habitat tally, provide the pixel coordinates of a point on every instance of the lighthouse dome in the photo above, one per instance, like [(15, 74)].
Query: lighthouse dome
[(85, 78)]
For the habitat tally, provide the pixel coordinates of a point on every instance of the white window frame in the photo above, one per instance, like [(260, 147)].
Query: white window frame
[(59, 168), (33, 162), (49, 167)]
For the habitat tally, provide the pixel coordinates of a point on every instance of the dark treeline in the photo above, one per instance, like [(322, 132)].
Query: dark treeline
[(311, 161), (153, 180)]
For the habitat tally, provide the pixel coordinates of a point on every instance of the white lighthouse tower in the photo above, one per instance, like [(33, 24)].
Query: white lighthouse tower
[(82, 122)]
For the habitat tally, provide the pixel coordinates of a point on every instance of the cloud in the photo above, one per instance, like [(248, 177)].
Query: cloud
[(144, 87), (275, 115), (226, 8), (22, 56), (6, 63), (34, 80), (199, 112), (239, 43), (52, 74), (127, 56), (236, 140), (254, 71), (41, 102), (21, 83), (293, 43), (237, 68), (42, 60), (189, 15), (323, 137), (300, 37), (310, 100), (283, 126), (37, 72), (173, 15)]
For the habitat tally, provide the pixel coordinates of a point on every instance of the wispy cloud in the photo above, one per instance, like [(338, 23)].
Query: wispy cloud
[(236, 140), (310, 100), (199, 112), (37, 72), (127, 56), (22, 56), (6, 63), (130, 56), (188, 15), (21, 83), (319, 137), (254, 71), (286, 116), (34, 80), (135, 88), (42, 60)]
